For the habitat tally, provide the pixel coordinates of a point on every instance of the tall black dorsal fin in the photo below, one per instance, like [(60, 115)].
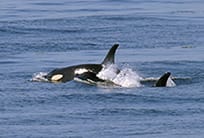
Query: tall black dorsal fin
[(163, 80), (110, 57)]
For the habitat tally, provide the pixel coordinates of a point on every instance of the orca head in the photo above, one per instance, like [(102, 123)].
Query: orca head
[(61, 75), (162, 82)]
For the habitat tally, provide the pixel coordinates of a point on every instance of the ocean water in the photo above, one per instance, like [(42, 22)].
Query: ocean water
[(156, 36)]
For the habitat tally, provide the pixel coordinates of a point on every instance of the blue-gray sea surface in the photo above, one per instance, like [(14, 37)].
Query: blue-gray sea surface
[(154, 36)]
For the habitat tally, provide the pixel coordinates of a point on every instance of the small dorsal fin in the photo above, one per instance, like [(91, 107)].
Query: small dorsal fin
[(163, 80), (110, 57)]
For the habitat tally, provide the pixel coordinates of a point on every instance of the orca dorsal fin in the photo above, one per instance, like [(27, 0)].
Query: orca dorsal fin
[(110, 57), (162, 82)]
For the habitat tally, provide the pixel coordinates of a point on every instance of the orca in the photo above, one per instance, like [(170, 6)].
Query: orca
[(87, 73), (162, 81), (82, 71)]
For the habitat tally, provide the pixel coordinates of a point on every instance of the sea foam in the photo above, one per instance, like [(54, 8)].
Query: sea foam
[(39, 77), (170, 82), (125, 78)]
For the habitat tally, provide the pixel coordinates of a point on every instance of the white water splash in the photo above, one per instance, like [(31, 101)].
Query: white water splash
[(39, 77), (149, 79), (108, 73), (170, 82), (125, 78)]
